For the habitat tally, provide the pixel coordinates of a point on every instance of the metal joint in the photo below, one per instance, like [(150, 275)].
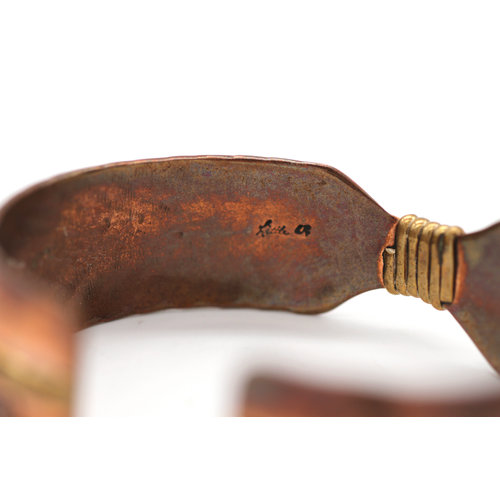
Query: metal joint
[(422, 262)]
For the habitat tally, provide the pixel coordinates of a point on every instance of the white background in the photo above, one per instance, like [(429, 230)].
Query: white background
[(403, 97)]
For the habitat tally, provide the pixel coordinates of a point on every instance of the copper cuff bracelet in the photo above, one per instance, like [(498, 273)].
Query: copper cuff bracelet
[(127, 238)]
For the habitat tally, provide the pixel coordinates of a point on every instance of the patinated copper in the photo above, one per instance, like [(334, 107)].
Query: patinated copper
[(134, 237)]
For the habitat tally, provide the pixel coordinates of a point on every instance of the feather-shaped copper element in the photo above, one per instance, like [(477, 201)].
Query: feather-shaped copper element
[(126, 238)]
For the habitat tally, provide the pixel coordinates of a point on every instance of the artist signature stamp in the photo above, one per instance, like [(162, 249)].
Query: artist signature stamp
[(268, 229)]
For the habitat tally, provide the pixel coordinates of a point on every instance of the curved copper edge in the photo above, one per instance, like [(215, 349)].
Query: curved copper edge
[(389, 243), (46, 230), (269, 396)]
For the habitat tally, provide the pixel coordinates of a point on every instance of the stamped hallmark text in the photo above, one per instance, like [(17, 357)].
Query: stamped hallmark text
[(268, 229)]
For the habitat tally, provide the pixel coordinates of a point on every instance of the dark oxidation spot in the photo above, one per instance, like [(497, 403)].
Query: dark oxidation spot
[(268, 229)]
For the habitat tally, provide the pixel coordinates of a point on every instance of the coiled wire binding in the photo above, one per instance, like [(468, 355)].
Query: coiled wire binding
[(422, 262)]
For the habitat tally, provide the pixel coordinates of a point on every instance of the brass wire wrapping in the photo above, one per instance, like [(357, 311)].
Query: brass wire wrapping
[(422, 262)]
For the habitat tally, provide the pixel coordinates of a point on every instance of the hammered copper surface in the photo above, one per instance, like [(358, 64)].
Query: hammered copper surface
[(186, 232)]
